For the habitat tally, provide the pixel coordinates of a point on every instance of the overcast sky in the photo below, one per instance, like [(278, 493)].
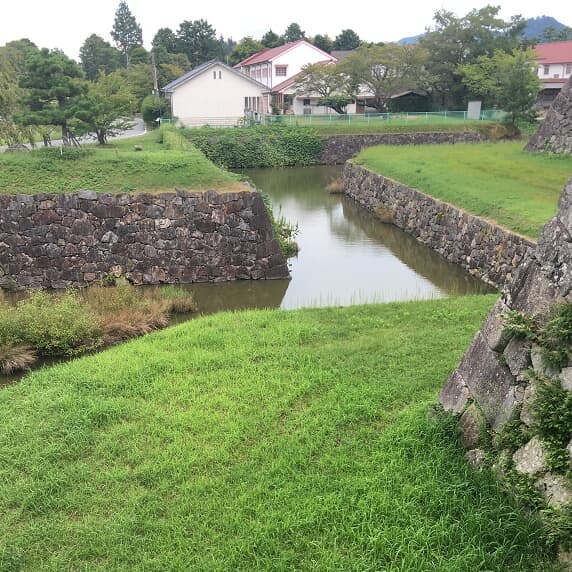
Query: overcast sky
[(65, 24)]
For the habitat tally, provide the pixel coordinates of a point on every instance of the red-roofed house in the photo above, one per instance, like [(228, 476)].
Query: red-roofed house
[(554, 68), (278, 68)]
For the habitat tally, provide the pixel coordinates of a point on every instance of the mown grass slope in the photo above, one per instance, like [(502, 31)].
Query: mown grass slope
[(117, 168), (260, 440), (498, 181)]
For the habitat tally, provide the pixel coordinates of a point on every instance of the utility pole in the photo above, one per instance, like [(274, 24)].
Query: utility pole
[(154, 66)]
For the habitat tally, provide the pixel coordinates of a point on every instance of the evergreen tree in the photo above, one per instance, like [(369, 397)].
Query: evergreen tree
[(97, 56), (347, 40), (293, 33), (54, 83), (198, 41), (271, 40), (126, 32), (324, 42)]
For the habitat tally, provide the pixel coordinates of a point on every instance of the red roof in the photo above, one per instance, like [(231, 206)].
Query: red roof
[(554, 52), (270, 53)]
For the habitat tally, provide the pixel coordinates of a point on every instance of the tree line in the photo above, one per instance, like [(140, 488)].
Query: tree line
[(478, 55), (459, 58)]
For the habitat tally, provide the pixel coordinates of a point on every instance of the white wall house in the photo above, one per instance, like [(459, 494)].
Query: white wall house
[(216, 94), (554, 68), (277, 68)]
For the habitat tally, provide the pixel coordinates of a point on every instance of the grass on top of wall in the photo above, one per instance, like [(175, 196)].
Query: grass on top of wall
[(498, 181), (261, 440), (114, 168)]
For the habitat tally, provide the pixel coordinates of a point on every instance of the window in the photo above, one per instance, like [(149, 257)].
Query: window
[(246, 103), (219, 75), (568, 69), (307, 101), (546, 70), (214, 75), (281, 70)]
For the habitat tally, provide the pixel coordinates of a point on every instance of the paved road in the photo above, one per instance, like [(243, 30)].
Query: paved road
[(137, 129)]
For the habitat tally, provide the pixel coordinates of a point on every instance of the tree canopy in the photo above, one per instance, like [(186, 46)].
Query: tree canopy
[(347, 40), (326, 80), (53, 83), (198, 41), (293, 33), (508, 81), (98, 56), (455, 41)]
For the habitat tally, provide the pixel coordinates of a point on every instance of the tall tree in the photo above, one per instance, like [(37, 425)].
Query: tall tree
[(271, 39), (509, 81), (383, 71), (324, 42), (198, 41), (293, 33), (456, 41), (244, 49), (329, 82), (165, 39), (106, 109), (126, 32), (347, 40), (54, 83), (98, 56)]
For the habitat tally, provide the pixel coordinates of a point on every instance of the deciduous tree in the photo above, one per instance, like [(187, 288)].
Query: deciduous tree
[(324, 42), (198, 41), (106, 109), (271, 39), (327, 81), (244, 49), (456, 41), (508, 81), (382, 71)]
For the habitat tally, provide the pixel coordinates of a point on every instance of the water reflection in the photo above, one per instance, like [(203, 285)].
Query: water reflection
[(347, 256)]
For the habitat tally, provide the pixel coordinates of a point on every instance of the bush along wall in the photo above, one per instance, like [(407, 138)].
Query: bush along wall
[(513, 387), (260, 146)]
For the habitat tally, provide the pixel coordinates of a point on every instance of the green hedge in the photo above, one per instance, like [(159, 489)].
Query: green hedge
[(260, 146)]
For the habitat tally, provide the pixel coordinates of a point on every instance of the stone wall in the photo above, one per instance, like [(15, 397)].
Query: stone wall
[(56, 241), (337, 149), (482, 248), (555, 132), (498, 379)]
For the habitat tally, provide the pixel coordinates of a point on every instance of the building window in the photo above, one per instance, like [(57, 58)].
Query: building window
[(281, 70), (568, 69), (219, 75), (246, 103), (214, 75), (546, 70), (307, 101)]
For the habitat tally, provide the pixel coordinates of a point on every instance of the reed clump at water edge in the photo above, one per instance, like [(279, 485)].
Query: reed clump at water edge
[(67, 324)]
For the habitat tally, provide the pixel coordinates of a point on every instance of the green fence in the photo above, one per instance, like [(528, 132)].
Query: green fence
[(377, 118)]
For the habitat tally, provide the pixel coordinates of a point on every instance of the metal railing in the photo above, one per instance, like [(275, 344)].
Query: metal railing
[(377, 118), (335, 119)]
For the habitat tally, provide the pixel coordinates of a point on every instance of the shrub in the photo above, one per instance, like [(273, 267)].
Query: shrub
[(153, 107), (259, 146), (56, 324)]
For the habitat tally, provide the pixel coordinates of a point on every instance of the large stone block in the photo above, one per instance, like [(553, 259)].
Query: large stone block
[(530, 459), (455, 394), (489, 381)]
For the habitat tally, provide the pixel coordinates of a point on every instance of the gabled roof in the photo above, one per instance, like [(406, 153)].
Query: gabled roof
[(271, 53), (170, 87), (554, 52), (292, 80)]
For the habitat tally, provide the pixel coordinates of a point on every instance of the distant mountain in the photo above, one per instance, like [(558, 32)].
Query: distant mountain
[(536, 26), (534, 29)]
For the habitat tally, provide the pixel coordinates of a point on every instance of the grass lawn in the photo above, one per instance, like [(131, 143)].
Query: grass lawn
[(498, 181), (117, 168), (364, 124), (260, 440)]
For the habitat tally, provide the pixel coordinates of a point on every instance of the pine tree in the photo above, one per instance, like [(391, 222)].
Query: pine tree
[(126, 31)]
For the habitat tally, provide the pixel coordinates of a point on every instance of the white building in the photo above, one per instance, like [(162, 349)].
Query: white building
[(554, 68), (216, 94), (278, 68)]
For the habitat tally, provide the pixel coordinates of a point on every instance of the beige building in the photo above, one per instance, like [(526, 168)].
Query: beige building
[(216, 94)]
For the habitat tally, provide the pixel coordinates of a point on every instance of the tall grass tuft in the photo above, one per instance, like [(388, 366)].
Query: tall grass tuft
[(16, 358)]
